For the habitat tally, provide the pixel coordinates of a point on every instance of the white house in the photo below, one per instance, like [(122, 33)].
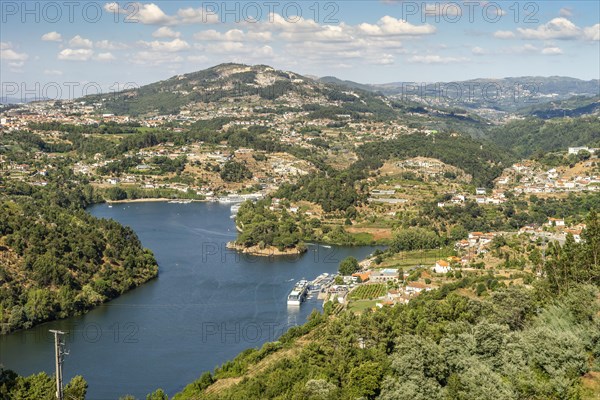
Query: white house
[(556, 222), (441, 267), (576, 150), (416, 287)]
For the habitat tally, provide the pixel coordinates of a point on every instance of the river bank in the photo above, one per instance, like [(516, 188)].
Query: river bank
[(268, 251), (153, 200), (205, 308)]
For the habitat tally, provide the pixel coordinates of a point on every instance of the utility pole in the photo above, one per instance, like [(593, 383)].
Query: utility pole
[(59, 357)]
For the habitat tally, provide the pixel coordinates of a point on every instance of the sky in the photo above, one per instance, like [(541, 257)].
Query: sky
[(82, 47)]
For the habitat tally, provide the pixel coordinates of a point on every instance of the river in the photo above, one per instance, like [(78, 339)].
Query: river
[(207, 305)]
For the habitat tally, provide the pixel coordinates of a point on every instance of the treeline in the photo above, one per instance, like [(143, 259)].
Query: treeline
[(262, 227), (103, 128), (117, 193), (483, 161), (38, 387), (537, 136), (508, 342), (56, 260)]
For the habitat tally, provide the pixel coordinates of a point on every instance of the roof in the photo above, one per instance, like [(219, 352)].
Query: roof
[(362, 275), (443, 263), (417, 285)]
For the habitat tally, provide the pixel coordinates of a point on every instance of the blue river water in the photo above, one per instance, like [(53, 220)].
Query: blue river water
[(207, 305)]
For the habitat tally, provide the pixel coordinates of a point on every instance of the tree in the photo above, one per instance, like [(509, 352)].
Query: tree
[(318, 389), (159, 394), (351, 212), (348, 266), (76, 389), (234, 171), (365, 380), (415, 239), (583, 155)]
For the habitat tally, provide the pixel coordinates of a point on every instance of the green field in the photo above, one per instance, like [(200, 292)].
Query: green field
[(361, 305)]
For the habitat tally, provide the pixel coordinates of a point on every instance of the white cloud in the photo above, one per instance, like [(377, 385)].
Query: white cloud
[(52, 37), (80, 43), (54, 72), (566, 12), (198, 59), (390, 26), (145, 13), (233, 35), (16, 64), (504, 35), (173, 46), (75, 54), (7, 53), (552, 51), (557, 28), (165, 32), (260, 36), (385, 59), (197, 16), (529, 47), (105, 57), (112, 7), (525, 49), (108, 45), (435, 59), (592, 32), (265, 51), (153, 58), (478, 51)]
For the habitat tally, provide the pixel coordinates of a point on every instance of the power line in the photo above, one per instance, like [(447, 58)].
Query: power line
[(59, 353)]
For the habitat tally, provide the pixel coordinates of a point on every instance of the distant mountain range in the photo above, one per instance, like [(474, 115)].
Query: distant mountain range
[(264, 86), (18, 100), (250, 86), (573, 107), (503, 95), (260, 88)]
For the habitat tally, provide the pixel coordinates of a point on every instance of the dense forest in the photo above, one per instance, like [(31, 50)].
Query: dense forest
[(509, 342), (483, 161), (262, 227), (333, 194), (56, 260), (536, 136)]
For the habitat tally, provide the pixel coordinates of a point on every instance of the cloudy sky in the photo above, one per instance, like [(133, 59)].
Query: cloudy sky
[(373, 41)]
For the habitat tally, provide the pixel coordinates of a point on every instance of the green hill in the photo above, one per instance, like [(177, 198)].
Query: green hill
[(56, 260), (574, 107), (532, 135)]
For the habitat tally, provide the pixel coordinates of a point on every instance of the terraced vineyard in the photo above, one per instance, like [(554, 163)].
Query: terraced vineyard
[(369, 291)]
